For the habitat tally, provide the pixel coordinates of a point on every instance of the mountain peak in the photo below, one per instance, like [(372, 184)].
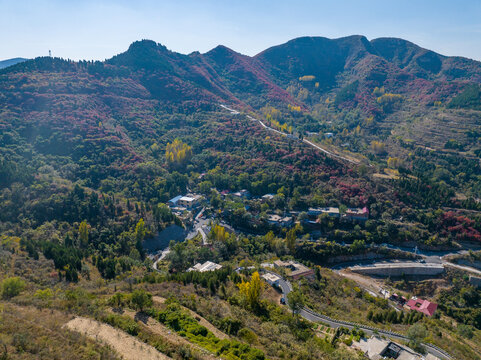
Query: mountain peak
[(144, 54), (146, 44)]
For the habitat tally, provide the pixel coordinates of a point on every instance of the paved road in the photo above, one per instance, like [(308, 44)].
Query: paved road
[(163, 254), (200, 225), (310, 315), (327, 152), (461, 267)]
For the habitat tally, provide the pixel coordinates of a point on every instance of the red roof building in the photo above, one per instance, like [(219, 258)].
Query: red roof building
[(426, 307)]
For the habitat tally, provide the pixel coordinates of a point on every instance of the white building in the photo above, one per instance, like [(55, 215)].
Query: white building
[(189, 201), (331, 211), (207, 266), (271, 279)]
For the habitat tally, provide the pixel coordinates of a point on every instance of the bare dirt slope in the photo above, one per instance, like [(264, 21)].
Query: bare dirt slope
[(126, 345)]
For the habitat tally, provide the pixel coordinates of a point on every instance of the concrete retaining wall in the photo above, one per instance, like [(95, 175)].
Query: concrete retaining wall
[(474, 280), (399, 269)]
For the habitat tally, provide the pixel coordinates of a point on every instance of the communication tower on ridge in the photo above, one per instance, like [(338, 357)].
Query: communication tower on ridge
[(50, 53)]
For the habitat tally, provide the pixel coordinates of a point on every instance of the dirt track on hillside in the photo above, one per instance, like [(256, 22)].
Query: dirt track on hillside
[(126, 345)]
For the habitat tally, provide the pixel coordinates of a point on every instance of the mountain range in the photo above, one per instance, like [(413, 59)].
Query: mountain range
[(10, 62), (225, 74), (391, 86)]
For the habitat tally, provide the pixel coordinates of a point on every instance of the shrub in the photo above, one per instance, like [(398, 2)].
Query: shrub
[(140, 299), (465, 331), (12, 287), (247, 335), (122, 322)]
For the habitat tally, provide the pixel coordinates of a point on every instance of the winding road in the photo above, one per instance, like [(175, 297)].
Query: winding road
[(317, 147), (311, 315)]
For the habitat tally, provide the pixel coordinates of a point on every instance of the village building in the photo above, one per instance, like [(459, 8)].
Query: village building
[(376, 348), (267, 197), (280, 221), (207, 266), (271, 279), (224, 193), (426, 307), (331, 211), (357, 214), (297, 270), (243, 194), (189, 201), (173, 202)]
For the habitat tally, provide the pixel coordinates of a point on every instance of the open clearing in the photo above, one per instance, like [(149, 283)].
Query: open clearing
[(126, 345)]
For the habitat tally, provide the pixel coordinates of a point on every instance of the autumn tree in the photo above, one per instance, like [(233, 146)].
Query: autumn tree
[(378, 147), (291, 240), (251, 291), (177, 153), (83, 234), (140, 230), (139, 235), (218, 233)]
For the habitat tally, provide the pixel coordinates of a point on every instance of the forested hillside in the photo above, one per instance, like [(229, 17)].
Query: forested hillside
[(91, 153)]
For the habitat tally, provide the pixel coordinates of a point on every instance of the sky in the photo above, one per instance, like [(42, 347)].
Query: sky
[(96, 30)]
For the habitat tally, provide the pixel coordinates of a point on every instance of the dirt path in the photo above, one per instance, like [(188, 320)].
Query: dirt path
[(368, 283), (126, 345), (202, 321)]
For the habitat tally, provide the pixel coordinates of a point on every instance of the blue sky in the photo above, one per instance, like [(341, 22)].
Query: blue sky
[(100, 29)]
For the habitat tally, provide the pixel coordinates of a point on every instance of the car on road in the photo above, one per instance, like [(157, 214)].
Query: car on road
[(283, 301)]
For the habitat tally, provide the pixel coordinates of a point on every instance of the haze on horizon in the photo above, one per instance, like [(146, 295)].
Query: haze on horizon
[(100, 29)]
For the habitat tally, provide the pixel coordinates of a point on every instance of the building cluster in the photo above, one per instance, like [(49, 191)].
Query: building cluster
[(297, 270), (288, 219), (351, 214), (207, 266), (376, 348), (426, 307), (280, 221), (182, 203)]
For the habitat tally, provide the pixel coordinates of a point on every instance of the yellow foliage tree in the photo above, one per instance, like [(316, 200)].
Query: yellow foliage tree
[(83, 234), (307, 78), (393, 162), (218, 233), (378, 147), (177, 152), (251, 291), (293, 108)]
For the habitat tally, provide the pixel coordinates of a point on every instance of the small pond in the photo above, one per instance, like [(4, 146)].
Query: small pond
[(163, 238)]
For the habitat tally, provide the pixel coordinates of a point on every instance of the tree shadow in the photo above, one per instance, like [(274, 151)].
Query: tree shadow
[(141, 316)]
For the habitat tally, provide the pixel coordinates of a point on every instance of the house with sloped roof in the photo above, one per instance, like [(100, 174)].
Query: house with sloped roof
[(357, 214), (426, 307)]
